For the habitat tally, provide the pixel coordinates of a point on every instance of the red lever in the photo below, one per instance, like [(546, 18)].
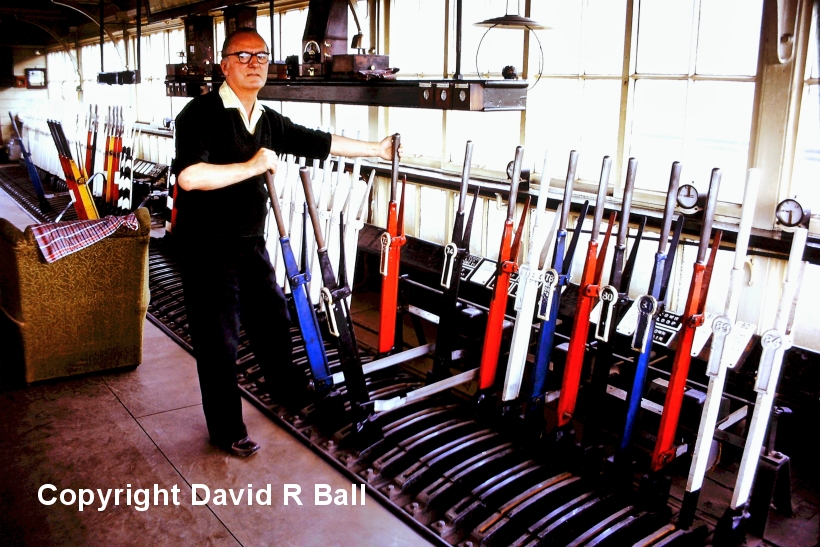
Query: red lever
[(587, 297), (693, 317), (498, 305)]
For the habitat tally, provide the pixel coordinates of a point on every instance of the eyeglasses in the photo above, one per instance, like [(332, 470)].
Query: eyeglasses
[(245, 56)]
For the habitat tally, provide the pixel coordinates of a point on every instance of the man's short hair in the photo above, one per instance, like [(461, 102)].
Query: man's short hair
[(242, 31)]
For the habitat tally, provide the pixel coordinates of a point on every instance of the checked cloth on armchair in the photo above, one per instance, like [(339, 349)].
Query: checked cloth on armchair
[(59, 239)]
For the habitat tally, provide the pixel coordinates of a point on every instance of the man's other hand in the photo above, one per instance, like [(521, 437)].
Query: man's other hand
[(263, 160), (386, 148)]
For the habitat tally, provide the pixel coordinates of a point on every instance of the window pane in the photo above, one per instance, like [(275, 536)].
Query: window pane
[(603, 35), (293, 27), (664, 36), (219, 39), (352, 119), (811, 61), (729, 36), (806, 171), (718, 122), (658, 123), (176, 46), (307, 114), (499, 48), (806, 316), (564, 115), (552, 124), (495, 136), (599, 117), (562, 44), (433, 210), (420, 131), (364, 23), (415, 52)]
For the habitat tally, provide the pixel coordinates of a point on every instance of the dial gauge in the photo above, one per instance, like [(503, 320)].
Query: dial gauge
[(789, 213), (688, 196), (510, 170)]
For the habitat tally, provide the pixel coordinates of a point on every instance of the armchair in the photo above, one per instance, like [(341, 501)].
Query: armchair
[(82, 313)]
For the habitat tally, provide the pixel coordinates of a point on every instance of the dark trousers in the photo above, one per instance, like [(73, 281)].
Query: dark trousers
[(222, 281)]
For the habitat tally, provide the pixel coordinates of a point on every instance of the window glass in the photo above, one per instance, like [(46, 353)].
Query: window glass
[(603, 36), (307, 114), (293, 27), (495, 136), (176, 45), (219, 39), (807, 316), (417, 37), (431, 221), (728, 37), (420, 131), (562, 43), (718, 123), (352, 119), (806, 170), (702, 124), (598, 120), (571, 114), (551, 123), (659, 119), (811, 61), (364, 22), (664, 36), (499, 47)]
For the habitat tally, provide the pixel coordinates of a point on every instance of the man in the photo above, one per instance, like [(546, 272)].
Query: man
[(225, 141)]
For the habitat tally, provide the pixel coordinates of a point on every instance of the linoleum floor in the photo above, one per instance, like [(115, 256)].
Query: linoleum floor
[(145, 427)]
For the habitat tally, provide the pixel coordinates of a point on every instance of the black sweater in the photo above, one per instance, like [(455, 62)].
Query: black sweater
[(208, 132)]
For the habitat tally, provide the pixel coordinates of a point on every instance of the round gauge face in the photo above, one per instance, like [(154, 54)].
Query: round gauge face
[(426, 94), (510, 169), (443, 95), (462, 95), (789, 213), (687, 196)]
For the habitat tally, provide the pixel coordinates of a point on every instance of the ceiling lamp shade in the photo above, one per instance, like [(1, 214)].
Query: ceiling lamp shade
[(509, 21)]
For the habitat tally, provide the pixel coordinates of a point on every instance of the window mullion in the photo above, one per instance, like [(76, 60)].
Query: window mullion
[(693, 41), (772, 135), (801, 70), (627, 93)]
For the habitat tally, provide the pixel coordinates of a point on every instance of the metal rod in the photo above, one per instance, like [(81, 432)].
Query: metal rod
[(457, 75), (304, 173), (465, 174), (277, 212), (570, 180), (102, 35), (139, 37), (600, 201), (709, 214), (394, 176), (516, 178), (669, 208), (272, 49), (626, 204)]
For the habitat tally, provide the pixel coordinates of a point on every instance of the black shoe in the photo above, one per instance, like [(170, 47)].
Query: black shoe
[(244, 448)]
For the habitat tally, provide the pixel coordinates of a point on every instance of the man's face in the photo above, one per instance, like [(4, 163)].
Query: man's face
[(248, 77)]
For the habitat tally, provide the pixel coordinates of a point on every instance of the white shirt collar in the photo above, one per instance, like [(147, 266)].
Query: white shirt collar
[(230, 100)]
